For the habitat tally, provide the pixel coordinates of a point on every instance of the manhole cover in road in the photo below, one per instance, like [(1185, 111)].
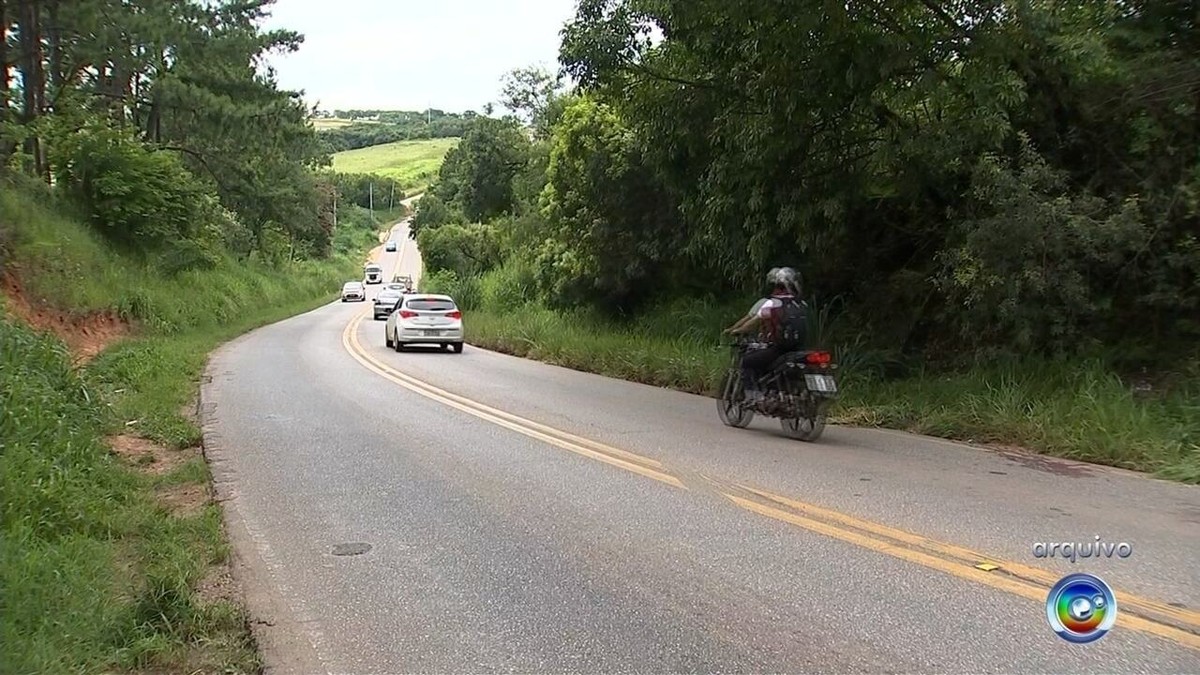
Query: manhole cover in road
[(353, 548)]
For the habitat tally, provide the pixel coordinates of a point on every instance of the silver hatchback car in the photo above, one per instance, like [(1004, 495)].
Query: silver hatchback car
[(425, 319), (386, 300)]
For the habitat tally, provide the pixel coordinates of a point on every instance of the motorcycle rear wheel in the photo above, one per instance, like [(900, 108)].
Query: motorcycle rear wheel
[(807, 429), (731, 394)]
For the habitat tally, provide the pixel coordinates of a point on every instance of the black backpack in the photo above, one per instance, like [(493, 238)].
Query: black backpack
[(792, 326)]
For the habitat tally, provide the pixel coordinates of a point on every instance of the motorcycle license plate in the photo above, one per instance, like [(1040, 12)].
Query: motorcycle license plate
[(821, 383)]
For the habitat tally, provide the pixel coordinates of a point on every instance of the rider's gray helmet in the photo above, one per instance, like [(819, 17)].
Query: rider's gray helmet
[(787, 278)]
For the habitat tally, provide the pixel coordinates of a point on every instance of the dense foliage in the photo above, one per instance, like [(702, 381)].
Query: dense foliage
[(161, 122), (389, 126), (971, 177)]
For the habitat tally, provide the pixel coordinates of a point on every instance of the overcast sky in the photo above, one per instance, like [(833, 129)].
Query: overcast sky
[(414, 54)]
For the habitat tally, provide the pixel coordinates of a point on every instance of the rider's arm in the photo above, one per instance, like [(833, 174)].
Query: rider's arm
[(737, 324), (751, 316), (758, 316), (747, 325)]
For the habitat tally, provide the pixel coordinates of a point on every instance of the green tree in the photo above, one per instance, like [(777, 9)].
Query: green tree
[(432, 212), (466, 250), (182, 77), (476, 175), (849, 139), (614, 227), (531, 93)]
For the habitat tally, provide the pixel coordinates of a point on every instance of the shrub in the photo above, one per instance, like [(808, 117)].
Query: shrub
[(464, 290), (510, 286), (138, 197), (467, 250)]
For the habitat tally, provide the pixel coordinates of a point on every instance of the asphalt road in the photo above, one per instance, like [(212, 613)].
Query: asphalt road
[(523, 517)]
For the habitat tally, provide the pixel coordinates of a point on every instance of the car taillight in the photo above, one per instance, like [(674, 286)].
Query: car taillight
[(818, 357), (405, 314), (454, 315)]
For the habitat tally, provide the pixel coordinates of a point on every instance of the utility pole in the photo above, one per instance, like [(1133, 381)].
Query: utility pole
[(335, 196), (392, 201), (371, 197)]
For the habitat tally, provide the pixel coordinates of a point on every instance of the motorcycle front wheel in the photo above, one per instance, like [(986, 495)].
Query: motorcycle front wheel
[(728, 402)]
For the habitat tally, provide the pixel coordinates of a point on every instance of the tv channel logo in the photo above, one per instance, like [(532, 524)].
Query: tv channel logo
[(1081, 608)]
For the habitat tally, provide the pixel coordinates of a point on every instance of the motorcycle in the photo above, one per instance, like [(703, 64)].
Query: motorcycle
[(798, 389)]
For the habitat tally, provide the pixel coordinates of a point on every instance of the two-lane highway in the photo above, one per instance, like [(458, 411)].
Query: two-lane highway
[(435, 512)]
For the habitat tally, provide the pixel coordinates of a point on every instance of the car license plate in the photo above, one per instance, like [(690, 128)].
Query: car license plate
[(821, 383), (430, 331)]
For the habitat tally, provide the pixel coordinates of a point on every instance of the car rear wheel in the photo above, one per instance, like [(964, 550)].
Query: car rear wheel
[(387, 338), (457, 347), (397, 343)]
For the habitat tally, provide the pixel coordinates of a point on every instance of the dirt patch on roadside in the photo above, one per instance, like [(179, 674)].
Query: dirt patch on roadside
[(191, 410), (218, 585), (185, 500), (85, 334), (1046, 463), (148, 456)]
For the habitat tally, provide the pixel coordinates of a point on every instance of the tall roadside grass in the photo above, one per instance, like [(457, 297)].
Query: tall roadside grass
[(1078, 410), (94, 573), (98, 574)]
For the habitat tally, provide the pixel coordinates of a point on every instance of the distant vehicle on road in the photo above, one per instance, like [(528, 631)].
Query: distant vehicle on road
[(354, 290), (406, 281), (425, 319), (374, 273), (390, 246), (387, 300)]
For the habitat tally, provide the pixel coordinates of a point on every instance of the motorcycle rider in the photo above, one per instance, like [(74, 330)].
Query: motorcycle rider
[(782, 315)]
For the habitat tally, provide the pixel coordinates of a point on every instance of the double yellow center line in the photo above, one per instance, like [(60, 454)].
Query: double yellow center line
[(629, 461), (1178, 625)]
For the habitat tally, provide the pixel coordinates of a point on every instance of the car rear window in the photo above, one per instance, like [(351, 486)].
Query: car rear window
[(431, 305)]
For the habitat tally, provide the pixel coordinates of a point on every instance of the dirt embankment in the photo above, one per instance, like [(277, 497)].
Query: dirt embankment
[(85, 334)]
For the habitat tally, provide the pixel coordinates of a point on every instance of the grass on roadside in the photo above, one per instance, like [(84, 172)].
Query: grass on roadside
[(1077, 410), (412, 163), (98, 573)]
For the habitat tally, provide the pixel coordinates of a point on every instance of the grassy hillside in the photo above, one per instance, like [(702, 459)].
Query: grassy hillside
[(413, 163), (112, 551)]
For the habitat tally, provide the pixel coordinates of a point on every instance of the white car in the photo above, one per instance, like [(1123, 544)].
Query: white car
[(354, 290), (373, 273), (424, 319)]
